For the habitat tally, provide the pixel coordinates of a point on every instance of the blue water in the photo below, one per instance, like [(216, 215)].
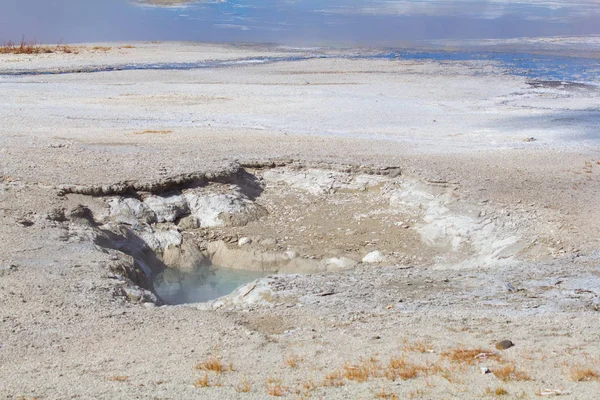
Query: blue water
[(201, 284), (532, 66)]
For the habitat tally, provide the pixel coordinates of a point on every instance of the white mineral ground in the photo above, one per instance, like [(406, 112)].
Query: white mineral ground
[(526, 210)]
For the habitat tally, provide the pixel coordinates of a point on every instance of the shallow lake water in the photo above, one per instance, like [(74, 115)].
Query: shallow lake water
[(201, 284)]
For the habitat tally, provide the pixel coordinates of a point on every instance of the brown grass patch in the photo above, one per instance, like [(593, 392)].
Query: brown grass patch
[(499, 391), (119, 378), (398, 367), (101, 48), (128, 46), (334, 379), (293, 360), (583, 374), (31, 47), (202, 382), (275, 388), (153, 132), (214, 364), (469, 356), (509, 372), (362, 371), (244, 386), (384, 394), (420, 346)]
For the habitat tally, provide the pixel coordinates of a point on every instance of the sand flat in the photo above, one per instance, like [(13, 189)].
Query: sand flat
[(476, 147)]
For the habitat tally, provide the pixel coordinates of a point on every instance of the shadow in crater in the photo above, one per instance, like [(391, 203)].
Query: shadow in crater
[(146, 262)]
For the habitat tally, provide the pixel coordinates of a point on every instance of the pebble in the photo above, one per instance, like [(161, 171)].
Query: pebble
[(504, 344), (243, 241), (374, 257)]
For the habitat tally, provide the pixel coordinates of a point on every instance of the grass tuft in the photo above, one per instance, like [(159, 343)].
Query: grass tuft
[(214, 364), (244, 386), (334, 379), (469, 356), (583, 374), (31, 47), (202, 382), (293, 360), (275, 388), (398, 367), (362, 371), (509, 372), (499, 391)]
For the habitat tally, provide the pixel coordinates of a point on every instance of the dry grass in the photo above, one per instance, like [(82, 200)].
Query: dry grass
[(127, 47), (153, 132), (509, 372), (26, 47), (119, 378), (583, 374), (420, 346), (398, 367), (384, 394), (362, 371), (469, 356), (101, 48), (202, 382), (214, 364), (293, 360), (334, 379), (244, 386), (499, 391), (275, 387)]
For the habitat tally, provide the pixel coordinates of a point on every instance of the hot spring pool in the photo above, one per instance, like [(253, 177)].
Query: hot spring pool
[(201, 284)]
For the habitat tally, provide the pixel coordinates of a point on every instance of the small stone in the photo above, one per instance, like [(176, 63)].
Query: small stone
[(374, 257), (504, 344), (485, 370), (244, 241)]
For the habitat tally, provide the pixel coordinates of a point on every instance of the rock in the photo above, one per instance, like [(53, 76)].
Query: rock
[(268, 242), (291, 254), (374, 257), (161, 240), (339, 264), (214, 210), (320, 181), (258, 292), (57, 214), (81, 215), (130, 211), (187, 223), (244, 241), (139, 295), (187, 256), (485, 370), (504, 344), (167, 209)]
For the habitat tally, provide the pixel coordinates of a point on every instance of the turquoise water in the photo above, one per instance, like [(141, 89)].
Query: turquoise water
[(201, 284)]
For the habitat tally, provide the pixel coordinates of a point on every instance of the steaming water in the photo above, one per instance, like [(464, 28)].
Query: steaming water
[(374, 23), (201, 284)]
